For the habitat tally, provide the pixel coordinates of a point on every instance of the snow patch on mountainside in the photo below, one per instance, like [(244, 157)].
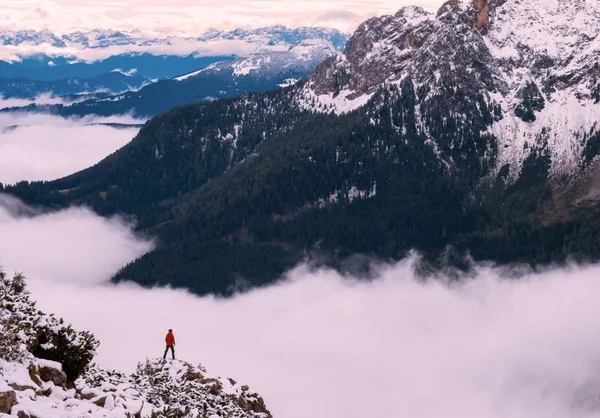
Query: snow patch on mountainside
[(127, 73), (183, 77), (559, 130), (349, 196), (339, 103), (288, 82), (244, 67), (554, 44)]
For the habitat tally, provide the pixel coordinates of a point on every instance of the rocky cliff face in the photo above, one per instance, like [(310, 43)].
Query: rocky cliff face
[(525, 73)]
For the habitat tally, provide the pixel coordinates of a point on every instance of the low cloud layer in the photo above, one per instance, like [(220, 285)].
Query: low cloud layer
[(45, 147), (72, 246), (45, 98), (323, 346)]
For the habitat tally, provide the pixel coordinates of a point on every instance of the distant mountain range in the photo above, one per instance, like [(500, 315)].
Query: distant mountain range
[(105, 38), (37, 62), (257, 72), (152, 67)]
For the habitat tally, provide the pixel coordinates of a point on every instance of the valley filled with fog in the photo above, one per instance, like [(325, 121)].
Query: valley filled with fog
[(420, 130), (322, 345), (45, 147)]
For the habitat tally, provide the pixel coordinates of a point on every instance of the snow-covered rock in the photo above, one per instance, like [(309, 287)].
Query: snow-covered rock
[(8, 398), (36, 387), (51, 371)]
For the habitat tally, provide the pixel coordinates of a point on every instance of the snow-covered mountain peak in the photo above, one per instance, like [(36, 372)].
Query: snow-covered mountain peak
[(308, 49), (379, 49), (525, 72), (100, 42)]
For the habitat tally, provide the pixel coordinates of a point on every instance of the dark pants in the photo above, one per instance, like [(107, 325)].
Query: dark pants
[(172, 352)]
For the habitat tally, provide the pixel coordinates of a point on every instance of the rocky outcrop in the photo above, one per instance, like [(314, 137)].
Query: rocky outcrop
[(19, 387), (157, 388), (8, 399), (380, 48), (52, 372), (477, 67), (482, 20), (531, 101)]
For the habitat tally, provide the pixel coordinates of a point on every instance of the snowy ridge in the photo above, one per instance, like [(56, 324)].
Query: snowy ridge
[(306, 54), (193, 73), (100, 43), (554, 44), (35, 387), (375, 54), (528, 70)]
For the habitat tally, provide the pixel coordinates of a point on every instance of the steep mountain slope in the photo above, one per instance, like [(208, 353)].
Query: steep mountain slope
[(531, 68), (257, 72), (429, 131), (36, 379)]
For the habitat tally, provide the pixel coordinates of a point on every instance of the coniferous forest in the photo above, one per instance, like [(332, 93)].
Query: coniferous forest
[(238, 191)]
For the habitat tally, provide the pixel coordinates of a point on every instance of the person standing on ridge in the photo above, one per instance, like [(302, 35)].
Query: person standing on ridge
[(170, 340)]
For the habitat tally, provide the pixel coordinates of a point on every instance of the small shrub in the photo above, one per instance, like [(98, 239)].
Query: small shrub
[(73, 349)]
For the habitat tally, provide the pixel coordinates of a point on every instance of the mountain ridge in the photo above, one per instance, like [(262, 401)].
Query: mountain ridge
[(257, 72), (46, 370), (397, 144), (88, 45), (514, 70), (112, 82)]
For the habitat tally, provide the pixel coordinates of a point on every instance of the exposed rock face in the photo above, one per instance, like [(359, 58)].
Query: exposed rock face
[(520, 77), (21, 387), (8, 399), (482, 20), (379, 49), (53, 374)]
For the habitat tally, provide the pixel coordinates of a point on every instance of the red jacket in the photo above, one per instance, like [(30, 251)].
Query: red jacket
[(170, 339)]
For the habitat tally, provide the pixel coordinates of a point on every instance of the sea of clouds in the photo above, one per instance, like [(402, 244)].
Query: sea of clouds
[(45, 147), (321, 345)]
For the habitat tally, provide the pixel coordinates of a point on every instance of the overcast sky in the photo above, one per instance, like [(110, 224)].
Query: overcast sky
[(193, 16)]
